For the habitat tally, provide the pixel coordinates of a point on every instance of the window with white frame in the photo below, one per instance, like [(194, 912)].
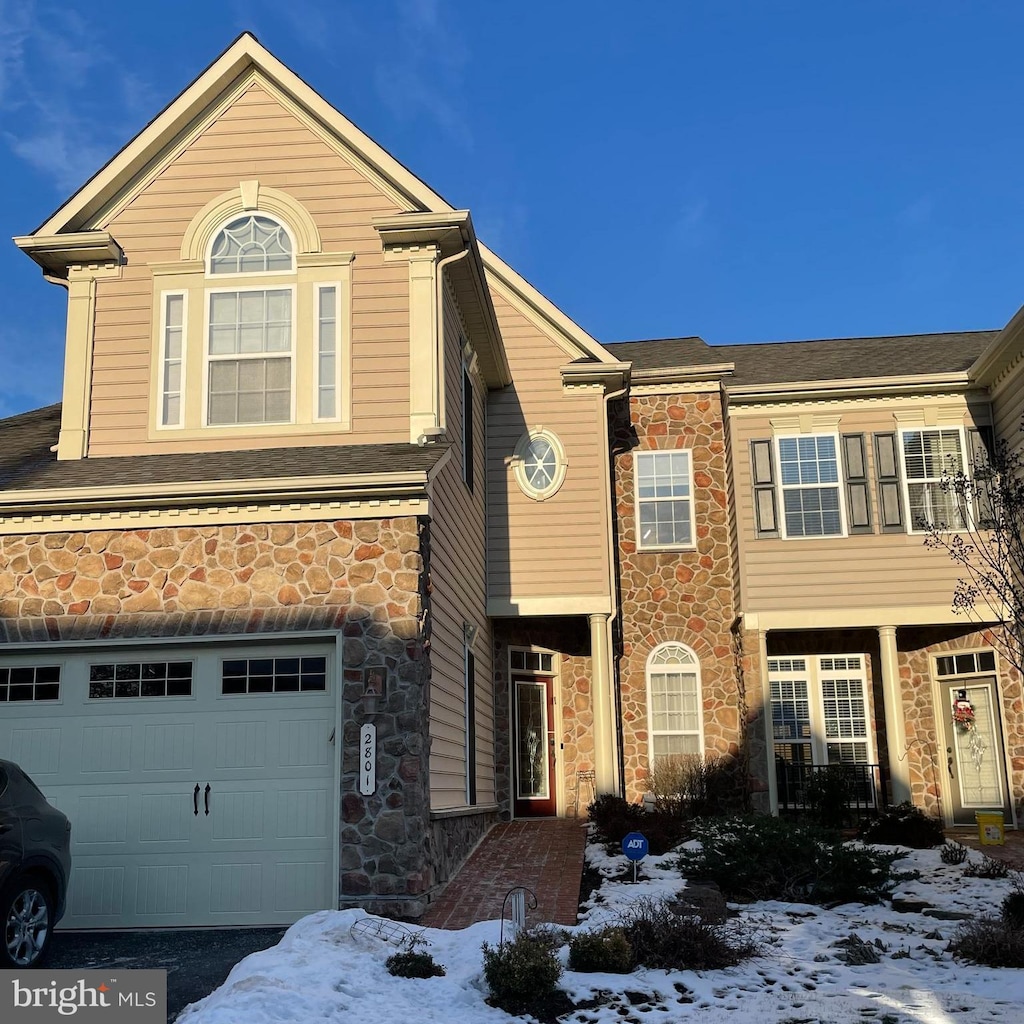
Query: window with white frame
[(819, 708), (929, 456), (809, 483), (328, 362), (250, 331), (664, 499), (172, 358), (674, 707)]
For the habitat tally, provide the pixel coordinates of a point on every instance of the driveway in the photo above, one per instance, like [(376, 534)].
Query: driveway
[(196, 961)]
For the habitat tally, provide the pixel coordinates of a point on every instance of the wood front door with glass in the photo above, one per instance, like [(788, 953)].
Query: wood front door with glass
[(533, 751)]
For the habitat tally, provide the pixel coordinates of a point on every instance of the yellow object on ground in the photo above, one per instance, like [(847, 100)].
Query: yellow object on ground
[(990, 828)]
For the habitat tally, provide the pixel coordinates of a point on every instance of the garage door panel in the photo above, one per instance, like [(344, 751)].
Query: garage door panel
[(124, 770)]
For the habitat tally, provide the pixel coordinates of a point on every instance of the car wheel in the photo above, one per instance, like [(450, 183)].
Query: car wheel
[(26, 910)]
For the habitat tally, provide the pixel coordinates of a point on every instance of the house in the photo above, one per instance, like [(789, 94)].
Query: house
[(288, 618)]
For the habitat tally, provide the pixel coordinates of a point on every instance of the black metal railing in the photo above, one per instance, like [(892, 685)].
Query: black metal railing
[(838, 794)]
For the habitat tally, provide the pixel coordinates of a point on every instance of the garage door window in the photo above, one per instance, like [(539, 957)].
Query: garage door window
[(140, 679), (273, 675), (36, 682)]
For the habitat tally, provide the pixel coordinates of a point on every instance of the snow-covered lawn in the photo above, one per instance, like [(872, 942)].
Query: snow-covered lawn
[(325, 970)]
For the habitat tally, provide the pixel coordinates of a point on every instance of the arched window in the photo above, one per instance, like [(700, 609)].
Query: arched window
[(253, 244), (674, 705), (251, 329)]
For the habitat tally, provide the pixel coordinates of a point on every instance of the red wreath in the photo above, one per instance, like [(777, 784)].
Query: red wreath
[(963, 715)]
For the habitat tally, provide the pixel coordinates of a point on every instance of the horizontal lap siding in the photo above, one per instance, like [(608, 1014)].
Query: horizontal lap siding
[(457, 576), (254, 138), (1008, 408), (857, 572), (557, 547)]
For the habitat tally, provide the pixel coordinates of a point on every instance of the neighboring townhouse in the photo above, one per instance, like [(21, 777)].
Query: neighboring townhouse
[(847, 648), (345, 543)]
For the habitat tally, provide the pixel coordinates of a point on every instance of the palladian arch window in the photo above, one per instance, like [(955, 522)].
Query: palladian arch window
[(250, 338), (674, 702)]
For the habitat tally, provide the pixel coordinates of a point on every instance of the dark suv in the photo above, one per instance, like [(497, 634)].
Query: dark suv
[(35, 862)]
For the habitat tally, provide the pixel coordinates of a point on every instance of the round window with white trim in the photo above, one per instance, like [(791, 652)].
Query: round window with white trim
[(539, 464)]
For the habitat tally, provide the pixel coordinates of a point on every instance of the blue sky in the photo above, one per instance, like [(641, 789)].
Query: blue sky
[(746, 171)]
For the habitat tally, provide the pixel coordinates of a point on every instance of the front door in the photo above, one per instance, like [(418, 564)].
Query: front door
[(975, 771), (534, 753)]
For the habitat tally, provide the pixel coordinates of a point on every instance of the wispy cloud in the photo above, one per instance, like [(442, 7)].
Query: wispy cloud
[(52, 64), (423, 74)]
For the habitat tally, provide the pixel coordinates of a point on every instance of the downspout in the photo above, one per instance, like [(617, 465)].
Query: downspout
[(439, 396), (615, 695), (63, 282)]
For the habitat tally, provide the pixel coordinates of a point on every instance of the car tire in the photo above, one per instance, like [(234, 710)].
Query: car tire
[(27, 919)]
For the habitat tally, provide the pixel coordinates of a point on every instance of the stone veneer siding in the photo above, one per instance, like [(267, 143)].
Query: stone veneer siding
[(925, 746), (683, 596), (365, 577), (569, 638)]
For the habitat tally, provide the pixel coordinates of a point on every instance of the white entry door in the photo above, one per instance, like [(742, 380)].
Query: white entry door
[(199, 780)]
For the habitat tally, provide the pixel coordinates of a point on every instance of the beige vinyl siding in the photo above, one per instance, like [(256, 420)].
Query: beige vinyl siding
[(254, 138), (1008, 408), (862, 571), (458, 596), (557, 547)]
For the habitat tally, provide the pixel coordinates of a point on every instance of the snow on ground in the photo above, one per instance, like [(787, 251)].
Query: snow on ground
[(325, 970)]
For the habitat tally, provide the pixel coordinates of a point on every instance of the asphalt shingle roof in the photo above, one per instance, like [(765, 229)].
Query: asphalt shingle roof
[(788, 362), (26, 462)]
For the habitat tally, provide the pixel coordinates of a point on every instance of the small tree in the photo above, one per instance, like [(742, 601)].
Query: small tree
[(983, 532)]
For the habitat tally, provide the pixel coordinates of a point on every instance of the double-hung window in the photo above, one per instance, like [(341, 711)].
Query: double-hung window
[(250, 337), (674, 702), (664, 499), (929, 458), (809, 482)]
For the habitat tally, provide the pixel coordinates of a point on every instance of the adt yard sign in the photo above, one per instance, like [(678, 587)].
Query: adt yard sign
[(634, 846)]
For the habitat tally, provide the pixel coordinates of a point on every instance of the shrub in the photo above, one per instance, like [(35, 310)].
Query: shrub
[(904, 825), (953, 853), (766, 858), (607, 952), (522, 972), (1012, 909), (986, 868), (615, 818), (829, 794), (690, 786), (990, 941), (664, 940), (410, 964)]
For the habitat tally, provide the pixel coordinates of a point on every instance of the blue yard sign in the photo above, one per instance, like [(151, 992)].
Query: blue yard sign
[(634, 846)]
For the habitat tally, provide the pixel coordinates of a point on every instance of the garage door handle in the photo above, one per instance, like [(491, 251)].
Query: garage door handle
[(206, 797), (195, 800)]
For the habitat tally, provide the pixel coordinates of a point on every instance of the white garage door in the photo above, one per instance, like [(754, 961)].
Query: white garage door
[(199, 780)]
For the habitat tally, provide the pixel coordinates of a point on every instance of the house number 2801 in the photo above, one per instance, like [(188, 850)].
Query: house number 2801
[(367, 760)]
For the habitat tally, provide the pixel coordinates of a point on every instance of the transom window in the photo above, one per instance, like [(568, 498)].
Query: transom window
[(30, 682), (966, 664), (674, 702), (140, 679), (531, 661), (664, 499), (273, 675), (928, 456), (252, 244), (809, 478)]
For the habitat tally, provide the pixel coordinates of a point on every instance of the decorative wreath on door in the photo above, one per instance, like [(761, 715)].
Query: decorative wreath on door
[(963, 713)]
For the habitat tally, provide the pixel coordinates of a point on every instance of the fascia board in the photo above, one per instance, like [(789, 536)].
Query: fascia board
[(244, 53), (572, 339), (184, 493), (923, 384), (683, 374), (55, 252), (1001, 353), (611, 376)]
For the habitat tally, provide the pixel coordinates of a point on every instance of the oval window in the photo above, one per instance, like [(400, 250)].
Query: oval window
[(539, 464)]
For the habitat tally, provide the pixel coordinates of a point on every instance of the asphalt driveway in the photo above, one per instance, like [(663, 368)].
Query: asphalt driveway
[(196, 961)]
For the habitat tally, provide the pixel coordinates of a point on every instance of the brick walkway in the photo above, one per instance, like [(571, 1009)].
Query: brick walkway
[(544, 854), (1012, 852)]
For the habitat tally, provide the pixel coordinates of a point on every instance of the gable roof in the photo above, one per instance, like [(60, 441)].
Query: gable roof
[(28, 466), (84, 211), (827, 359)]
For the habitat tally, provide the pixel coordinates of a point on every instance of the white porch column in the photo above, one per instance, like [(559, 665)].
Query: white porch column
[(603, 705), (766, 711), (895, 732)]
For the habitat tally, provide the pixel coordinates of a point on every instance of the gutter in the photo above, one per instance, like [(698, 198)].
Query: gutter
[(873, 386)]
